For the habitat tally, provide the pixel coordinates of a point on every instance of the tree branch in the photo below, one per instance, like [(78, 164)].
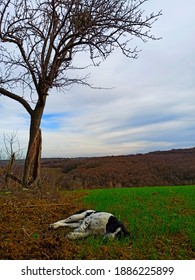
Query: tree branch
[(48, 33), (17, 98)]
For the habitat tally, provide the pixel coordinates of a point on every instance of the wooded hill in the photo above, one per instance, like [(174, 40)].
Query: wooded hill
[(160, 168)]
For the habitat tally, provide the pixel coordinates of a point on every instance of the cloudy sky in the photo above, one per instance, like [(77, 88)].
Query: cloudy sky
[(151, 105)]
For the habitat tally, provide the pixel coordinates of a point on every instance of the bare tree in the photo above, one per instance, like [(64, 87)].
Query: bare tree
[(38, 44), (12, 145), (12, 151)]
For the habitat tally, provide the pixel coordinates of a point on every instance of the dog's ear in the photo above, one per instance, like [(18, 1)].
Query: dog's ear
[(126, 233), (123, 232)]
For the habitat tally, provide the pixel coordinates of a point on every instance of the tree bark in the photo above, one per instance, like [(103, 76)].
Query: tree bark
[(32, 166)]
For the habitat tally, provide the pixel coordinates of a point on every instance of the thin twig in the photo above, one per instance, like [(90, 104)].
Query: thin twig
[(42, 205)]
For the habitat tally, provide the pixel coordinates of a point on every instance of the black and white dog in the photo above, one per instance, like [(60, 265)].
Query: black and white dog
[(91, 222)]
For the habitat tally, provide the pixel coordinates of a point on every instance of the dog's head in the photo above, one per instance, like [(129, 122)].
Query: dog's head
[(121, 232), (116, 229)]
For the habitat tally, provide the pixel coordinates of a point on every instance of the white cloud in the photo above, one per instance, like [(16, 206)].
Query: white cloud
[(151, 105)]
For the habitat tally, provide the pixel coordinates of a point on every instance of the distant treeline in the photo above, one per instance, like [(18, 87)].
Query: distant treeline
[(160, 168)]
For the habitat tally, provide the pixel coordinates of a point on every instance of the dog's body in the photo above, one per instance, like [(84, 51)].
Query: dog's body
[(90, 222)]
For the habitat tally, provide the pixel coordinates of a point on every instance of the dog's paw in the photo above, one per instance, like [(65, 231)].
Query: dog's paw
[(72, 236), (55, 225)]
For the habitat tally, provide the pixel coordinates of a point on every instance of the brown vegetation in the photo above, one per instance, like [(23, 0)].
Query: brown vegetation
[(175, 167), (25, 217)]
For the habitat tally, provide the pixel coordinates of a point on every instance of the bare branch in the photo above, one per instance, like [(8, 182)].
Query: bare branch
[(16, 98), (47, 33)]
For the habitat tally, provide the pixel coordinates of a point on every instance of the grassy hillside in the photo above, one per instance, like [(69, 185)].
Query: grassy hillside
[(161, 219)]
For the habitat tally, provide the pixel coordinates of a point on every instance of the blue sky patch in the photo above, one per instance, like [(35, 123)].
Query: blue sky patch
[(54, 121)]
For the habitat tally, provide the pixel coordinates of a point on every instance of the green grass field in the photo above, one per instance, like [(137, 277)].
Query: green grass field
[(161, 220)]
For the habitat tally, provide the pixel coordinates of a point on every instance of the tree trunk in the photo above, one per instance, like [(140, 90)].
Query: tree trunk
[(9, 169), (32, 166)]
